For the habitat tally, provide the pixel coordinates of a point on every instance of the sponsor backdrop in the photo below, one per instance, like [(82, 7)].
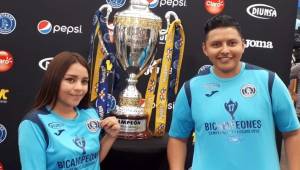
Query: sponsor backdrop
[(28, 40)]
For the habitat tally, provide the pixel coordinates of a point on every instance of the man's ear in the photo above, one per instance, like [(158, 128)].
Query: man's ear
[(243, 43), (204, 48)]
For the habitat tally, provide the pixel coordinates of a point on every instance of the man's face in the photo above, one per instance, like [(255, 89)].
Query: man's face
[(224, 47)]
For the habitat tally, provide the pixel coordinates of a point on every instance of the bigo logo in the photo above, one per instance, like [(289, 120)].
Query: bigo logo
[(6, 61), (214, 6), (45, 62), (3, 95), (45, 27)]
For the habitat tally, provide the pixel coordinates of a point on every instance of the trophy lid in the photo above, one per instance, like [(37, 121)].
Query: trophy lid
[(138, 9)]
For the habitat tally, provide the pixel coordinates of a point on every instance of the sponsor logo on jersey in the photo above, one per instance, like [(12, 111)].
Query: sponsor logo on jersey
[(153, 3), (59, 132), (211, 93), (80, 162), (116, 3), (93, 125), (43, 64), (204, 68), (46, 27), (259, 44), (3, 95), (6, 61), (55, 125), (3, 133), (7, 23), (262, 11), (214, 6), (248, 90), (212, 88)]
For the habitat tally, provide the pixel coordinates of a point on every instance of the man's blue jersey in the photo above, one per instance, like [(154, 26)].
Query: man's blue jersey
[(49, 141), (234, 119)]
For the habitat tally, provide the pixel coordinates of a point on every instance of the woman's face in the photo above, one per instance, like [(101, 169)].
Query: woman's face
[(73, 86)]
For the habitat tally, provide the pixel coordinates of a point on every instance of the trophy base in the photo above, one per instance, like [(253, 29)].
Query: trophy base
[(133, 127), (134, 135)]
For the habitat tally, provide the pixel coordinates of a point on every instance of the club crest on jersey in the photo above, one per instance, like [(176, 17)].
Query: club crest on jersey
[(80, 143), (248, 90), (231, 107), (93, 125)]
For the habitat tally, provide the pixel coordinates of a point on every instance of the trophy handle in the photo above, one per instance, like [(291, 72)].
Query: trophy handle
[(168, 16), (108, 11), (156, 62)]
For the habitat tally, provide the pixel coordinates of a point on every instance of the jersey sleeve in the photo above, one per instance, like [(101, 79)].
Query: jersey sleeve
[(182, 123), (32, 146), (283, 107)]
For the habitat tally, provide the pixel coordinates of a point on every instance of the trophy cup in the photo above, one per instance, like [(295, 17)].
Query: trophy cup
[(136, 32)]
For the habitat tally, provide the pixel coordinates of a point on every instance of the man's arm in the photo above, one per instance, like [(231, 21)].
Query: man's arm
[(292, 149), (176, 150), (295, 70)]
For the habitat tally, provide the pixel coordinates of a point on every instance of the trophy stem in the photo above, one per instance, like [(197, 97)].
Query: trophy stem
[(130, 114)]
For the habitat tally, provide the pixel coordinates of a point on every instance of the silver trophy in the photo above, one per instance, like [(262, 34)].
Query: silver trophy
[(136, 32)]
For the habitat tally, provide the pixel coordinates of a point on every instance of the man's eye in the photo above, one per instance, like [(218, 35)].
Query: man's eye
[(232, 43), (215, 44)]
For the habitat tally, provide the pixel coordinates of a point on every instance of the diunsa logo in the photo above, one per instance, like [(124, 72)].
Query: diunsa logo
[(262, 11)]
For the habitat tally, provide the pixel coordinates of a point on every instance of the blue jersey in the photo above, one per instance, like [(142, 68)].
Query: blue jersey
[(234, 119), (47, 141)]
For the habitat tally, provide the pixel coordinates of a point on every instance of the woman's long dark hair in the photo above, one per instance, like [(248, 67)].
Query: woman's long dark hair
[(56, 70)]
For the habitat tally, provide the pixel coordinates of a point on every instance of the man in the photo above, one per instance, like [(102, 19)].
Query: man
[(294, 86), (234, 108)]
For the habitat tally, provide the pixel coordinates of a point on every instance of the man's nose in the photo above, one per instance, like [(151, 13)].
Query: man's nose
[(225, 49)]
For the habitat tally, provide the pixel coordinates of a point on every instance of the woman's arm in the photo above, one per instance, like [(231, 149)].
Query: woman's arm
[(32, 146), (112, 128)]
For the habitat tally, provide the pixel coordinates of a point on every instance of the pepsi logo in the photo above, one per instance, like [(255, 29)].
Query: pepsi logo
[(44, 27), (153, 3)]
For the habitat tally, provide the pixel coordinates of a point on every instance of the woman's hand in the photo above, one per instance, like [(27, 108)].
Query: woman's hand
[(111, 126)]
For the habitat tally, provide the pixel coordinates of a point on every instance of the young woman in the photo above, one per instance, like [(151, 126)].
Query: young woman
[(62, 131)]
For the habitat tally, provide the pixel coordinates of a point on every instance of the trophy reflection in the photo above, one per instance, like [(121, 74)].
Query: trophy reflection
[(136, 32)]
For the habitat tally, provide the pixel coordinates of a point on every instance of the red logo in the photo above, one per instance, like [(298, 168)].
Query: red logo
[(1, 166), (6, 61), (214, 6)]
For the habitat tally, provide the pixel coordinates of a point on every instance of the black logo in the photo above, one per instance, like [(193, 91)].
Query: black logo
[(211, 93), (80, 142), (231, 108), (59, 132)]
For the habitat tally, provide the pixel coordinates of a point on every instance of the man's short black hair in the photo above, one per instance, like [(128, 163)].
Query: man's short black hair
[(221, 21)]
